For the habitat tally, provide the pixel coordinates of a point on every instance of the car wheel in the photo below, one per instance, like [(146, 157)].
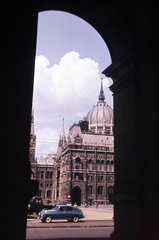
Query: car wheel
[(48, 219), (75, 219)]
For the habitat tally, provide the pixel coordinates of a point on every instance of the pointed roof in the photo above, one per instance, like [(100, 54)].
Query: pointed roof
[(101, 95), (62, 139), (62, 136), (32, 122)]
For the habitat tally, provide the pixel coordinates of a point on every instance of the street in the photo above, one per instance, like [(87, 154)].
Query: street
[(93, 233)]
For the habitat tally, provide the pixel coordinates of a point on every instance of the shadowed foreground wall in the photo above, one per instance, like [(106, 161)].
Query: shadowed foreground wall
[(130, 29)]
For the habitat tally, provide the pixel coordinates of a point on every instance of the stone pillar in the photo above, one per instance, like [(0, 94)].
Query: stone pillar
[(16, 97), (126, 205), (136, 98)]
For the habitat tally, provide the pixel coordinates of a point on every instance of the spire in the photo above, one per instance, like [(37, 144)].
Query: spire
[(62, 130), (101, 95), (62, 135), (32, 122)]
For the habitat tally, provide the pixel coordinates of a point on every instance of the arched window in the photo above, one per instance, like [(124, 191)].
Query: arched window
[(102, 165), (51, 173), (42, 174), (110, 190), (107, 166), (112, 166), (77, 163), (100, 190), (48, 193), (90, 164), (90, 190), (97, 165)]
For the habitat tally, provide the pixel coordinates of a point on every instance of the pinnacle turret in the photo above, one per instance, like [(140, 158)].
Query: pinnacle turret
[(101, 95)]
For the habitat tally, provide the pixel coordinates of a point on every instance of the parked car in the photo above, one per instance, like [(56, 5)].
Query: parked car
[(59, 212), (36, 205)]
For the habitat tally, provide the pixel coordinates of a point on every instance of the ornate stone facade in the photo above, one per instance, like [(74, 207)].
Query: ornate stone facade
[(82, 170)]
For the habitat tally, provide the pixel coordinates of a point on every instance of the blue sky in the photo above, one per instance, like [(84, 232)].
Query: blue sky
[(70, 58)]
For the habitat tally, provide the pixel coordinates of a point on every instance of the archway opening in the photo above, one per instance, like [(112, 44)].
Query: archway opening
[(76, 196), (70, 58)]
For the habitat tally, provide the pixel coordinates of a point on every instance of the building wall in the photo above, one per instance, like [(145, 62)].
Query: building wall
[(89, 168)]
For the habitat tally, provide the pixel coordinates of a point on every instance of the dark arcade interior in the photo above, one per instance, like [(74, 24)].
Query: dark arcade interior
[(131, 31)]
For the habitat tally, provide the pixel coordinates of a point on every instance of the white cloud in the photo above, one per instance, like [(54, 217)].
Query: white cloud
[(66, 88), (69, 89)]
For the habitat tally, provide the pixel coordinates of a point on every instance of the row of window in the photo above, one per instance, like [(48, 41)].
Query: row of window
[(49, 175), (99, 165), (100, 190), (47, 184), (79, 176), (48, 193)]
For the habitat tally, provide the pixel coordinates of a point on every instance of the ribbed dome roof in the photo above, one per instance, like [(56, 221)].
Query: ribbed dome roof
[(101, 113), (100, 117)]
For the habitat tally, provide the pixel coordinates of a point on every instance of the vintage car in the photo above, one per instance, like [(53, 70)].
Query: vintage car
[(60, 212)]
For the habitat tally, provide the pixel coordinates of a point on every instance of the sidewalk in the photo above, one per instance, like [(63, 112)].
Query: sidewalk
[(97, 214)]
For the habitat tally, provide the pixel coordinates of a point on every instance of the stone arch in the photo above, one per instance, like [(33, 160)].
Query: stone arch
[(131, 33), (76, 195)]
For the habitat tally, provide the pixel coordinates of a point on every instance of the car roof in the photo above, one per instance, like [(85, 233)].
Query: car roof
[(63, 205)]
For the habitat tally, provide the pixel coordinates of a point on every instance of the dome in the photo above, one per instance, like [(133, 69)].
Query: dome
[(100, 117), (101, 113)]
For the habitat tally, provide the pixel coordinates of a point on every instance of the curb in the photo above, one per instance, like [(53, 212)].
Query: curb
[(83, 226)]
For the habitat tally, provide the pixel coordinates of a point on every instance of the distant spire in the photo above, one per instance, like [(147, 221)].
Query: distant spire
[(32, 122), (101, 95), (62, 130), (62, 135)]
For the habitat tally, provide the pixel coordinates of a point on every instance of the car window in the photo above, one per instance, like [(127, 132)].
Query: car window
[(69, 209), (56, 207), (61, 208)]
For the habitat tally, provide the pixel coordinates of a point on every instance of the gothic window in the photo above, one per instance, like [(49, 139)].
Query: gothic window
[(110, 190), (102, 165), (100, 190), (97, 165), (39, 193), (112, 166), (77, 163), (78, 176), (107, 166), (48, 193), (50, 184), (110, 179), (41, 184), (42, 174), (51, 173), (91, 178), (77, 139), (90, 190), (90, 165)]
